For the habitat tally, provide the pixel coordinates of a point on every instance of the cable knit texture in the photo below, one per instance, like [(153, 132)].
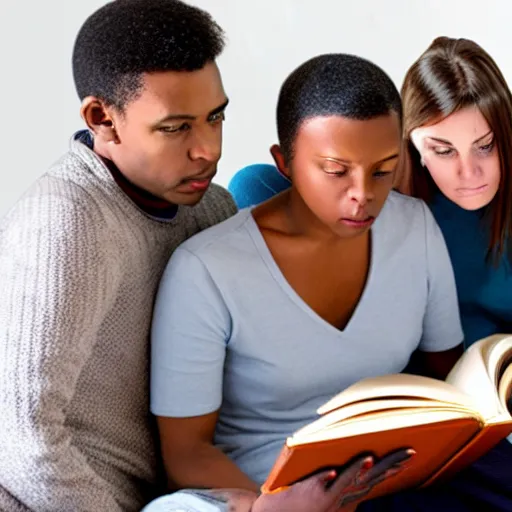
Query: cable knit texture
[(79, 267)]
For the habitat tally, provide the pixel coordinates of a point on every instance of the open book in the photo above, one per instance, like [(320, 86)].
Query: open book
[(450, 424)]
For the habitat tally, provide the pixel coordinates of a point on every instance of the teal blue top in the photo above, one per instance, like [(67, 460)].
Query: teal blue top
[(484, 290)]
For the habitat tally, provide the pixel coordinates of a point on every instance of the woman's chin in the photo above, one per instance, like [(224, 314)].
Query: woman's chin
[(472, 202)]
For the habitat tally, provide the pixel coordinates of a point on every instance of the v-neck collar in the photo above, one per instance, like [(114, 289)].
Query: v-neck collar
[(266, 255)]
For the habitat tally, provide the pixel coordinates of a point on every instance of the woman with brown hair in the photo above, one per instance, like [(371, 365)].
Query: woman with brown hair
[(457, 155)]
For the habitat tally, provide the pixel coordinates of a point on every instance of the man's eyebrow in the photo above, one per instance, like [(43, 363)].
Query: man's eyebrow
[(219, 109), (189, 117), (175, 117)]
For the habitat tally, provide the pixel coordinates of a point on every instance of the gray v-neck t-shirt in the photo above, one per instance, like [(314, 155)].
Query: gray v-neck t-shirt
[(230, 334)]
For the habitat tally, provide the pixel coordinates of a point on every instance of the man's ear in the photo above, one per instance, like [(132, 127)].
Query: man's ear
[(99, 119), (280, 160)]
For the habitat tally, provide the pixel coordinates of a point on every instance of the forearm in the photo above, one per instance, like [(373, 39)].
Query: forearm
[(206, 467)]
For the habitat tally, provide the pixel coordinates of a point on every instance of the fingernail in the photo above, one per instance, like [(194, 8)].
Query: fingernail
[(329, 478), (365, 466), (411, 454), (367, 463), (331, 475)]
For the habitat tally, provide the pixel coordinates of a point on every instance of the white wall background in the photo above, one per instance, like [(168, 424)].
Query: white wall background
[(267, 39)]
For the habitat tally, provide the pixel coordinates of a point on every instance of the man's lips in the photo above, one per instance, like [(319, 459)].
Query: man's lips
[(357, 222), (197, 183)]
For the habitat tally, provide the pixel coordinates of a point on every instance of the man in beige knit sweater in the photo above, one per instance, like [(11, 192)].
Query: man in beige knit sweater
[(82, 252)]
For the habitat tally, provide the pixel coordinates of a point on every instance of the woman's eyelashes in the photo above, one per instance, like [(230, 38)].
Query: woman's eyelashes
[(442, 150), (446, 151), (486, 148)]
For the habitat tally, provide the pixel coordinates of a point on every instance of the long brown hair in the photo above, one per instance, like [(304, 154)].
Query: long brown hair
[(450, 75)]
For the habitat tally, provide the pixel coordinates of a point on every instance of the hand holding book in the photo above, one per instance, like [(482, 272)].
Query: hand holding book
[(335, 489), (449, 424)]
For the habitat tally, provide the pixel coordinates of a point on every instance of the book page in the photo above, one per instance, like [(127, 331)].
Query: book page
[(476, 374), (496, 350), (359, 409), (505, 386), (397, 386), (380, 422)]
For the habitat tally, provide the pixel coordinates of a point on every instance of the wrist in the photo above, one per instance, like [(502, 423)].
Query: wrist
[(238, 500)]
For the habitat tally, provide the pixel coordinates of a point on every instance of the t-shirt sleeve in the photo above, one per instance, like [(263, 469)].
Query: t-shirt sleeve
[(441, 325), (191, 327)]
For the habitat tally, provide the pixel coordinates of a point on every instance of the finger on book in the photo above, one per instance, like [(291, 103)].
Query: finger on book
[(348, 477), (394, 460)]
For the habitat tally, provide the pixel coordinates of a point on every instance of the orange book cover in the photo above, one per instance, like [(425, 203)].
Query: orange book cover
[(434, 444), (484, 441)]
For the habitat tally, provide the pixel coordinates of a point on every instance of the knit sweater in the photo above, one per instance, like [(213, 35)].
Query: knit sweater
[(79, 268)]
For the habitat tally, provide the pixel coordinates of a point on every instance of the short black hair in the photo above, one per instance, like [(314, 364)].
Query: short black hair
[(126, 38), (333, 84)]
